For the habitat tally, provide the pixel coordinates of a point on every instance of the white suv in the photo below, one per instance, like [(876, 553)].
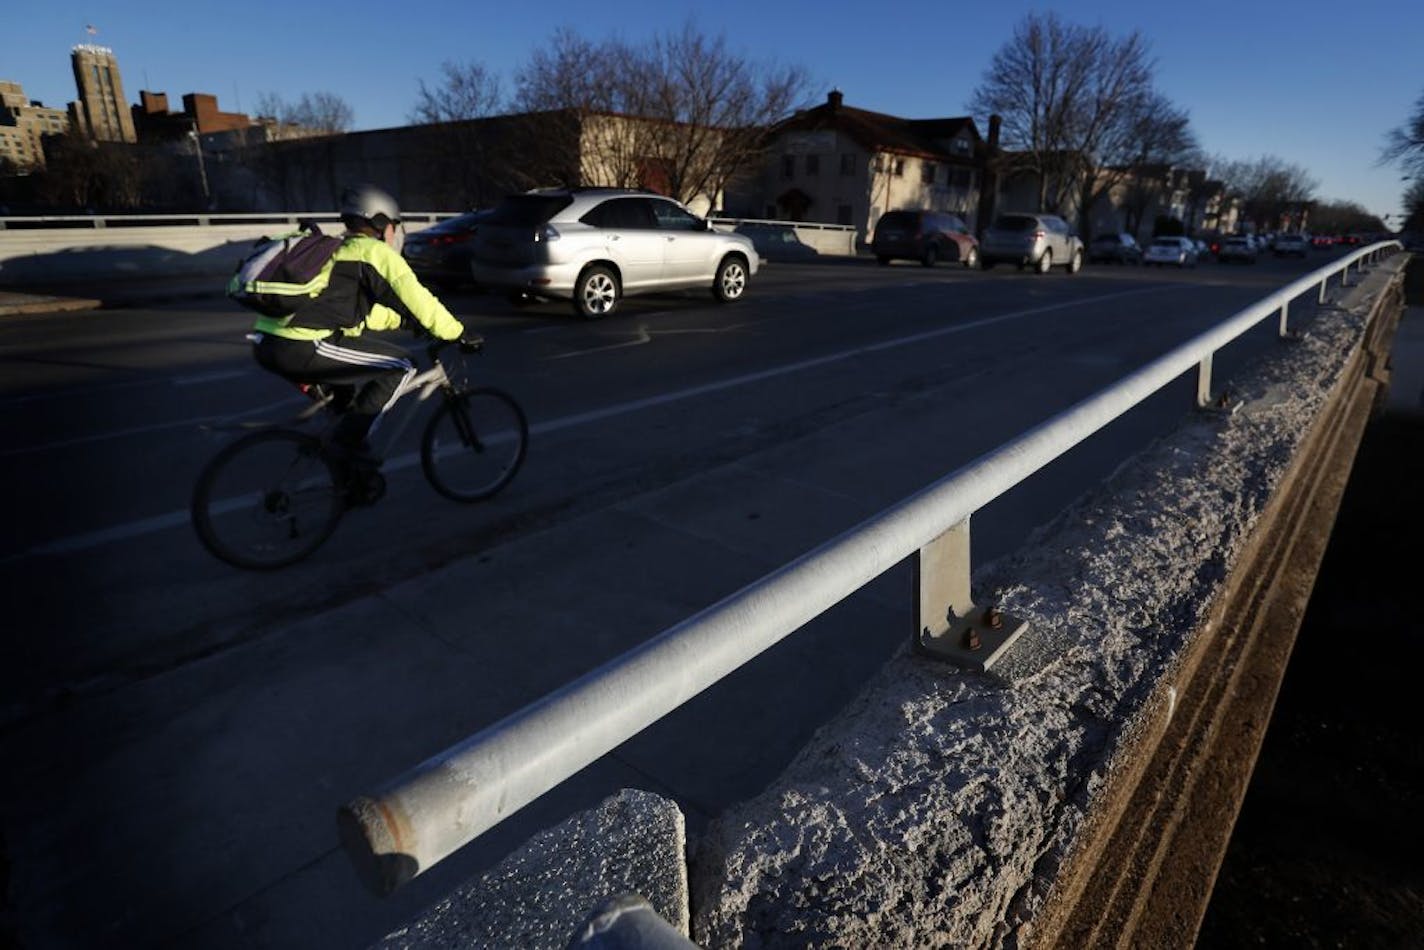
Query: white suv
[(593, 246)]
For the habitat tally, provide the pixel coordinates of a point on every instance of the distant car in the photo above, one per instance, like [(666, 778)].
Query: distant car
[(1203, 249), (1115, 249), (1238, 248), (777, 242), (1291, 244), (1322, 242), (1040, 241), (924, 236), (595, 246), (1173, 251), (440, 254)]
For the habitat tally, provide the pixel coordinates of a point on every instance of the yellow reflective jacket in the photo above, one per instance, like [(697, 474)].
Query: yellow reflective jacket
[(365, 285)]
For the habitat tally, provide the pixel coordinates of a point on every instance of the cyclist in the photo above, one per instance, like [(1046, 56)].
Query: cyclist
[(369, 286)]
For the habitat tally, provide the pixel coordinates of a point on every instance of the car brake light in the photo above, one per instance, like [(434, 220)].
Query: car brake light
[(547, 233), (1039, 234)]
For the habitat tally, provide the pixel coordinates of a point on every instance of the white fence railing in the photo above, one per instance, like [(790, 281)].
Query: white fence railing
[(200, 219), (450, 799)]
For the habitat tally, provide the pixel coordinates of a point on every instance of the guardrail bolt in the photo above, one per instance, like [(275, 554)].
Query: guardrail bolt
[(971, 639), (993, 618)]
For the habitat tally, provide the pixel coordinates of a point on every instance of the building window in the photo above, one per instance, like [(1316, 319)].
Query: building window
[(788, 166), (897, 167), (927, 173), (848, 165), (813, 165), (844, 214)]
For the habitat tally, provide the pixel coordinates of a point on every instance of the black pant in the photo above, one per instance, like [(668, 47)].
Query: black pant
[(363, 372)]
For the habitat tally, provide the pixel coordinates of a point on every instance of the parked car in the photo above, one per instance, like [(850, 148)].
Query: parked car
[(594, 246), (1291, 244), (440, 254), (924, 236), (1176, 251), (1322, 242), (777, 242), (1203, 249), (1115, 249), (1040, 240), (1239, 247)]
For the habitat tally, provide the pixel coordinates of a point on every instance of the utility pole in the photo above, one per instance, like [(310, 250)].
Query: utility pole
[(202, 169)]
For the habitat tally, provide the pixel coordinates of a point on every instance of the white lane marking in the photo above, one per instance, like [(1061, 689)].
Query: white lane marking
[(135, 529), (642, 338)]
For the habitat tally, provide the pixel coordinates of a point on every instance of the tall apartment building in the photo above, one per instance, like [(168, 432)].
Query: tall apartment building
[(22, 123), (101, 111)]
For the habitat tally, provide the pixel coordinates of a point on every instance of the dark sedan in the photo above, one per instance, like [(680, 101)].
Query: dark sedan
[(440, 254), (1115, 249)]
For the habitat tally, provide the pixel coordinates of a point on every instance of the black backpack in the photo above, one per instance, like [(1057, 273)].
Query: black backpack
[(283, 273)]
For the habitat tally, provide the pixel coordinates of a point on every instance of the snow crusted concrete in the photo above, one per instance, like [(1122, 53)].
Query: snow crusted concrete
[(634, 842), (938, 807)]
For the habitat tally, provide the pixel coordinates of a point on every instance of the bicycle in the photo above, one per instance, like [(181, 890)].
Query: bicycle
[(273, 496)]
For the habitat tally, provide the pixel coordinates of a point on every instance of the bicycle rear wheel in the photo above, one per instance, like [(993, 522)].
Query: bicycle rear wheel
[(474, 444), (267, 500)]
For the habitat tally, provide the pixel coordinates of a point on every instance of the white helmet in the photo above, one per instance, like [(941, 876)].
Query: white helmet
[(370, 204)]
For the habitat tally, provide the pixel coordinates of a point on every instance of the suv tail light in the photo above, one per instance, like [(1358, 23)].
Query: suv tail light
[(547, 233), (1039, 234)]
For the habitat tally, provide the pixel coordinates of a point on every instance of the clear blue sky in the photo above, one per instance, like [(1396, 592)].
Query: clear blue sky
[(1315, 83)]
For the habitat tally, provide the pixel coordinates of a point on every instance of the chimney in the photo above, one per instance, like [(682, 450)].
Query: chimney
[(834, 100), (995, 123)]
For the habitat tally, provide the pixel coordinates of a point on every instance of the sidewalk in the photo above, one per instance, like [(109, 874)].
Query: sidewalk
[(137, 292)]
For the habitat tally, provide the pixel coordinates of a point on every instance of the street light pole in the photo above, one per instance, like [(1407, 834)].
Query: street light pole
[(202, 169)]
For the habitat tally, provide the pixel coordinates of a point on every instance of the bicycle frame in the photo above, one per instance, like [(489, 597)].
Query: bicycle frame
[(399, 412)]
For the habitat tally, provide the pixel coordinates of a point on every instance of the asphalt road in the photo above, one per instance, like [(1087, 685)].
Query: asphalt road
[(680, 449)]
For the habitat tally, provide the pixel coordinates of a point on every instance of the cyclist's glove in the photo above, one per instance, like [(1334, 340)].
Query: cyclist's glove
[(471, 342)]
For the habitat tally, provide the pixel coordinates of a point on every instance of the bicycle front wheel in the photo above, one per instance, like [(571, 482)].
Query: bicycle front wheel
[(474, 444), (267, 500)]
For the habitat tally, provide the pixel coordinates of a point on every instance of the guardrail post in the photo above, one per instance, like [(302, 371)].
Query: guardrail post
[(948, 624), (1345, 275), (1285, 313), (1204, 382), (1323, 282)]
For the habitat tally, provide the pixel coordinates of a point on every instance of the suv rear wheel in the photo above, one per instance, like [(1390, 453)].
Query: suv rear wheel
[(595, 293), (1045, 263), (1075, 263), (731, 280)]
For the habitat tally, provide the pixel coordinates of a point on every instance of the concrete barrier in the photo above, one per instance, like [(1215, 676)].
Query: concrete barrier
[(54, 251)]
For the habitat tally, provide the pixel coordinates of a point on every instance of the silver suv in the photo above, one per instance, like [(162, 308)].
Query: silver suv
[(1038, 240), (593, 246)]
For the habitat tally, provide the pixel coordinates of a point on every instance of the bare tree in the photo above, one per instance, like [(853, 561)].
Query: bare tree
[(472, 156), (1269, 188), (1405, 144), (316, 112), (1079, 109), (1342, 217), (466, 91), (83, 173), (680, 114), (1414, 207)]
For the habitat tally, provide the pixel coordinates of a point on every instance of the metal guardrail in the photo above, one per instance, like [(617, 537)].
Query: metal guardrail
[(448, 800), (201, 219)]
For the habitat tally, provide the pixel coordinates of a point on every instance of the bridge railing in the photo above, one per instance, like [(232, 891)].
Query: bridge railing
[(426, 814)]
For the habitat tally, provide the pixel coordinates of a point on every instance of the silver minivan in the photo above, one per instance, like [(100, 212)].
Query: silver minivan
[(1040, 241)]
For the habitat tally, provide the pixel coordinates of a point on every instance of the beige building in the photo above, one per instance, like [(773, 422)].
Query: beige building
[(101, 112), (840, 165), (23, 123)]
